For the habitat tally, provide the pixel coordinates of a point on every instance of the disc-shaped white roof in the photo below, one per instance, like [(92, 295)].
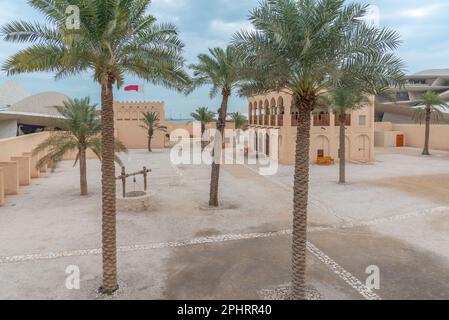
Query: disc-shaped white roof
[(11, 92), (433, 73), (42, 104)]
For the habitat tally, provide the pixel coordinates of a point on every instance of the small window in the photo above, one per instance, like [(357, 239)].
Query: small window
[(362, 121)]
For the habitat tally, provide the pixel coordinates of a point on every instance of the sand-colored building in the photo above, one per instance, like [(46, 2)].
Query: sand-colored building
[(28, 115), (397, 105), (128, 116), (395, 126), (274, 111)]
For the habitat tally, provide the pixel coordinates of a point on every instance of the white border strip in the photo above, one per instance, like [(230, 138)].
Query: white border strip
[(333, 266), (345, 275)]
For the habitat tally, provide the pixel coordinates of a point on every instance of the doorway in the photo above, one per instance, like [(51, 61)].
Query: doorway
[(400, 140)]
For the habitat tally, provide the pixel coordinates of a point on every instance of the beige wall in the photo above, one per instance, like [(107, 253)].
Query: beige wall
[(359, 138), (414, 134), (128, 117), (16, 146), (18, 163)]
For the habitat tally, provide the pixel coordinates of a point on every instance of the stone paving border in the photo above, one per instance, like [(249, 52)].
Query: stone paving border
[(333, 266), (347, 277)]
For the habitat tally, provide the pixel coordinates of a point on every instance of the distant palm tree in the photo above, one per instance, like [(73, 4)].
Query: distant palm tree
[(356, 81), (222, 69), (298, 47), (343, 100), (81, 128), (113, 39), (152, 124), (204, 116), (240, 121), (433, 104)]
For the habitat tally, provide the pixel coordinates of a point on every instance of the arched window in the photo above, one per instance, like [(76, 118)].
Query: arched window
[(281, 106), (273, 106)]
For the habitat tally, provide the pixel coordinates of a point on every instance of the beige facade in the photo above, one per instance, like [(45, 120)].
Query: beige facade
[(273, 111), (128, 116), (388, 135)]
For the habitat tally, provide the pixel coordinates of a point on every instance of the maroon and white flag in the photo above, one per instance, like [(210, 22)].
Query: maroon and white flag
[(134, 87)]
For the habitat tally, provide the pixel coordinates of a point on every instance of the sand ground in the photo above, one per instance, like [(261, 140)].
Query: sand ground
[(393, 214)]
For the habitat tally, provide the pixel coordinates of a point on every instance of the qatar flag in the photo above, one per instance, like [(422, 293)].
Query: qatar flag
[(134, 87)]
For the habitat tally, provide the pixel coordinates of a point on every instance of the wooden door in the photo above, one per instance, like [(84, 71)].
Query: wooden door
[(400, 140)]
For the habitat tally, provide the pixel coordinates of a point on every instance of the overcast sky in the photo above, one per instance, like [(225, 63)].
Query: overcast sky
[(424, 27)]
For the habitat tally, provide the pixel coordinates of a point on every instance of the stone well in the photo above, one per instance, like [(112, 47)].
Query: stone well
[(136, 201)]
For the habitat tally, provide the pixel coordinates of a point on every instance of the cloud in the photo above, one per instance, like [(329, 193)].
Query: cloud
[(424, 11), (228, 28)]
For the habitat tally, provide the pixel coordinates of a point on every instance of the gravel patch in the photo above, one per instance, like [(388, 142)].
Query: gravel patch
[(284, 293)]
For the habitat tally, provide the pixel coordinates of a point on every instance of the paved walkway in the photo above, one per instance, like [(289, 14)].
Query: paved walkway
[(181, 249)]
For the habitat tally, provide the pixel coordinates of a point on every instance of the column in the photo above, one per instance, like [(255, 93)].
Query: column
[(24, 170), (10, 177)]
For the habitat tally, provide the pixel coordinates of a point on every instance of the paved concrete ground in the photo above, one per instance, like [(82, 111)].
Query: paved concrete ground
[(393, 213)]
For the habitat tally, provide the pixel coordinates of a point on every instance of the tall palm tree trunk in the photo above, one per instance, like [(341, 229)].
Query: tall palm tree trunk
[(109, 191), (83, 171), (215, 175), (150, 137), (300, 200), (427, 136), (342, 151), (203, 142)]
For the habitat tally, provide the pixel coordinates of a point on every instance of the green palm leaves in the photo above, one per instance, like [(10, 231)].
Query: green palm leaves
[(203, 115), (239, 120), (221, 68), (305, 47), (115, 38), (151, 121), (430, 103), (80, 128)]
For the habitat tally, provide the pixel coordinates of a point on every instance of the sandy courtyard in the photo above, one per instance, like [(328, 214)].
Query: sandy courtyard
[(393, 214)]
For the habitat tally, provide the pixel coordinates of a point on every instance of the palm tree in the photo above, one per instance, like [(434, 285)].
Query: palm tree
[(222, 69), (240, 121), (204, 116), (151, 124), (343, 100), (114, 38), (298, 47), (80, 130), (433, 104), (355, 82)]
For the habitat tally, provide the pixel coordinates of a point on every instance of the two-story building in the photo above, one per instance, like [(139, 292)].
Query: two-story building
[(274, 111)]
